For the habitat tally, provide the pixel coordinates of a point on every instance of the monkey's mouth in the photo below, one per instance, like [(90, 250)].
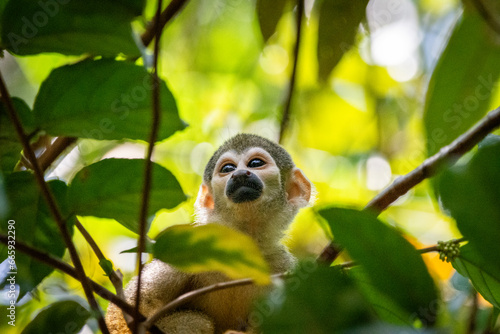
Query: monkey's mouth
[(247, 190)]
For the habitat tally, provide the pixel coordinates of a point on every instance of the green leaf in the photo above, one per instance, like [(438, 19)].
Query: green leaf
[(471, 194), (10, 147), (484, 277), (61, 317), (113, 188), (149, 247), (103, 99), (315, 300), (461, 86), (392, 264), (107, 266), (98, 27), (385, 308), (211, 247), (33, 225), (338, 24), (269, 14)]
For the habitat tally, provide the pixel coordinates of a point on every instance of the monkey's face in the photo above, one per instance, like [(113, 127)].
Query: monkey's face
[(245, 177)]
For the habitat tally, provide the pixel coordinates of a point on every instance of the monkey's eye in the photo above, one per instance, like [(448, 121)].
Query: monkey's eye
[(254, 163), (228, 168)]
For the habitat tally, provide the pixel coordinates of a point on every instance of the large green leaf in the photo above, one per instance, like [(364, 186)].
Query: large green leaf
[(386, 308), (60, 317), (392, 264), (103, 99), (338, 23), (98, 27), (471, 193), (461, 86), (211, 247), (319, 300), (10, 147), (484, 277), (269, 14), (33, 225), (113, 188)]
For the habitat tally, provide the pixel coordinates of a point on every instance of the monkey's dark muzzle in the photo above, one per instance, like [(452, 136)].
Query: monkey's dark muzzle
[(244, 186)]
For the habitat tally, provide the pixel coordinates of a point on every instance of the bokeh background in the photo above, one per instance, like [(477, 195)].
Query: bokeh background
[(352, 134)]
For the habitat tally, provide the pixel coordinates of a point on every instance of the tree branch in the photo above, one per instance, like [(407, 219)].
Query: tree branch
[(172, 9), (56, 263), (288, 101), (430, 249), (199, 292), (51, 202), (447, 156), (148, 168)]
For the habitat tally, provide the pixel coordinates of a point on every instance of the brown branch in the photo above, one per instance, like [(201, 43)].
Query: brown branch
[(56, 263), (172, 9), (288, 101), (447, 156), (148, 168), (199, 292), (59, 145), (51, 202)]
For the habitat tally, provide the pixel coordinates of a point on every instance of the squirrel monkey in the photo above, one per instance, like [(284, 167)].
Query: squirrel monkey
[(252, 185)]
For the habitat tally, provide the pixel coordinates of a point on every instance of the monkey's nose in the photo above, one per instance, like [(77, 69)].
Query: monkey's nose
[(241, 173)]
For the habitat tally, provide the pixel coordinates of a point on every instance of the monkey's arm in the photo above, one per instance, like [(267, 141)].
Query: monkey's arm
[(160, 284)]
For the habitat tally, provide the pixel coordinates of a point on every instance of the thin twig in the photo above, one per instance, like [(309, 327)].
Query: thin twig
[(113, 276), (52, 204), (435, 247), (447, 156), (199, 292), (56, 263), (148, 169), (288, 101), (172, 9), (430, 249)]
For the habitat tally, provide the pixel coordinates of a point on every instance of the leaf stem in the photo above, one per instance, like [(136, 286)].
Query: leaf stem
[(148, 170), (447, 156), (51, 202), (285, 120)]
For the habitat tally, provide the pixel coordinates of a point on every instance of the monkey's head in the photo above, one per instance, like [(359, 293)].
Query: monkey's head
[(251, 179)]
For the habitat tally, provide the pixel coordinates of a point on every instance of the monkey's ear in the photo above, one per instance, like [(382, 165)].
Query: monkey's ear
[(298, 189), (205, 198)]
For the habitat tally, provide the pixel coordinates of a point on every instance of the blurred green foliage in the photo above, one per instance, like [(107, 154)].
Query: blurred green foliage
[(380, 86)]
